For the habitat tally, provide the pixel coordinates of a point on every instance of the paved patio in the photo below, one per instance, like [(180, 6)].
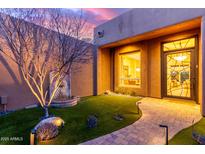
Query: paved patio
[(175, 113)]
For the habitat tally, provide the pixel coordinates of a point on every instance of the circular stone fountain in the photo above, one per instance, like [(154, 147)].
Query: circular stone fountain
[(61, 98), (65, 103)]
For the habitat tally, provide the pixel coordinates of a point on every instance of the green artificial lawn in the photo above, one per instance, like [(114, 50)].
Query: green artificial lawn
[(184, 137), (75, 131)]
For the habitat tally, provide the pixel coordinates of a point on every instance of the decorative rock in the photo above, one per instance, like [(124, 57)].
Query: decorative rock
[(118, 117), (92, 121), (46, 131), (57, 121)]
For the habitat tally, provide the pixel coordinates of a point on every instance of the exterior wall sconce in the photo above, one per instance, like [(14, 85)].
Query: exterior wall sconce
[(100, 34)]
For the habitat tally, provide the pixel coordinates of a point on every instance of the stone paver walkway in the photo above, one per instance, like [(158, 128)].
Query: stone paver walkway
[(177, 114)]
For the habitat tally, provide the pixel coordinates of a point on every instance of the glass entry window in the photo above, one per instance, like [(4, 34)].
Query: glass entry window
[(179, 45), (178, 68), (178, 74), (130, 72)]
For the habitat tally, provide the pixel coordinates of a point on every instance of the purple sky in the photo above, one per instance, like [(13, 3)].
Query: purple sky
[(94, 16), (98, 16)]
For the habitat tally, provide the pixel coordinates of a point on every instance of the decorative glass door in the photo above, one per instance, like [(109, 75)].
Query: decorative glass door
[(179, 68), (178, 74)]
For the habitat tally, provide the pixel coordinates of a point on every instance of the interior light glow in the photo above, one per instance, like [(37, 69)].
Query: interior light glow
[(180, 58), (137, 69)]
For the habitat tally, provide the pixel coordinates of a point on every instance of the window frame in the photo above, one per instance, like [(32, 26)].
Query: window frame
[(120, 69), (171, 41), (194, 56)]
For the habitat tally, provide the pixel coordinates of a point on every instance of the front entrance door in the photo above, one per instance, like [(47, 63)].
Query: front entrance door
[(179, 70)]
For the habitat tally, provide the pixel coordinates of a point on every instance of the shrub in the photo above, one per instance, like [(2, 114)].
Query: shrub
[(46, 131), (92, 121), (125, 91), (133, 93)]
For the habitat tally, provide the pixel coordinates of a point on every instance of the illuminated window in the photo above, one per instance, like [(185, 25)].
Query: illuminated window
[(130, 69), (181, 44)]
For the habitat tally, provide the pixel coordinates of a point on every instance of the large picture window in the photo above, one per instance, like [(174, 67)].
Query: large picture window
[(130, 72)]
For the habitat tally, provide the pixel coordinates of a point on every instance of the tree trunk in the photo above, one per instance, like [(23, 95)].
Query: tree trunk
[(46, 114), (69, 84)]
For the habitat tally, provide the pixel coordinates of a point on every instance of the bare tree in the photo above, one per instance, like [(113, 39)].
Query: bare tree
[(38, 51), (71, 31)]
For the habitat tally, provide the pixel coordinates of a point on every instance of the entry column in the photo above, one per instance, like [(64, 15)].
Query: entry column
[(203, 65)]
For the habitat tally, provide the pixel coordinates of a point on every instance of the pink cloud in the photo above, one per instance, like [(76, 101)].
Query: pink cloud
[(103, 14)]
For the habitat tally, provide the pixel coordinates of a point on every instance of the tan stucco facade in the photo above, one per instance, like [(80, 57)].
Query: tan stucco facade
[(151, 59), (142, 48), (82, 80), (13, 85), (145, 30)]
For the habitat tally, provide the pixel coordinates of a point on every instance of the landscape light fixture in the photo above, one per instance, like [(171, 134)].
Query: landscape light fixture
[(166, 131), (33, 137), (138, 110)]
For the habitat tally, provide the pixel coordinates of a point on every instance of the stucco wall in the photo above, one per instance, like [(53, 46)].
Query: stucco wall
[(82, 80), (201, 70), (139, 46), (140, 20), (103, 71), (156, 25), (154, 68), (154, 54), (151, 61), (13, 85)]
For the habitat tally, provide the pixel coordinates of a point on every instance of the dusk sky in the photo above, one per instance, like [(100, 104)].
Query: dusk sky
[(94, 16), (98, 16)]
